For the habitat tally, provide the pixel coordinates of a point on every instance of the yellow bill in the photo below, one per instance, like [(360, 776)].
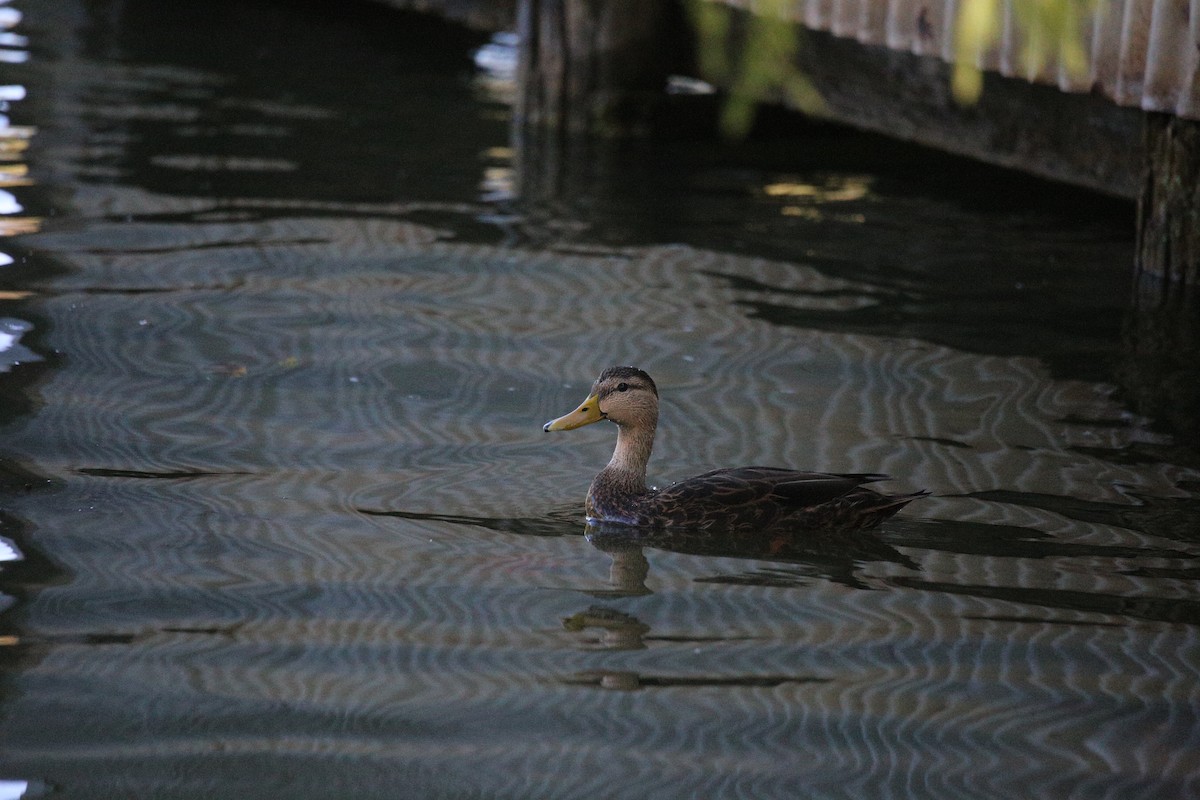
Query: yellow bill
[(587, 413)]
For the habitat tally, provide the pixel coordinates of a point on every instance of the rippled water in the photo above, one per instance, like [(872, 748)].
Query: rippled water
[(285, 309)]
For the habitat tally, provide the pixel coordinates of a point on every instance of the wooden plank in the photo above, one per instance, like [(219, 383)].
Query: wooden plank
[(1169, 207), (1079, 139)]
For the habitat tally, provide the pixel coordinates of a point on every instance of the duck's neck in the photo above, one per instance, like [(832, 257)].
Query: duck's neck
[(626, 469)]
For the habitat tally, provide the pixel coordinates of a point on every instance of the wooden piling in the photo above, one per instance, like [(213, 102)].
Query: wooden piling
[(1158, 372), (594, 66), (1169, 206)]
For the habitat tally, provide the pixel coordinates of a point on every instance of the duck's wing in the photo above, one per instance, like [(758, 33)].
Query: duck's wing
[(745, 486)]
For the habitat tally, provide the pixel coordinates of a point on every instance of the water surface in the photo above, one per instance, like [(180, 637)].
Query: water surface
[(283, 319)]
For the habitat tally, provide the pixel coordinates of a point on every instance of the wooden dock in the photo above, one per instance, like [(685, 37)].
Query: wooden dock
[(1104, 95)]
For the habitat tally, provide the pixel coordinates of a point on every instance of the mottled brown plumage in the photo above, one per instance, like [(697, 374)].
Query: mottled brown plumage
[(745, 498)]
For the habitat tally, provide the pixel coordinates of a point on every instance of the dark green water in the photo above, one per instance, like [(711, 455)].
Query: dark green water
[(286, 309)]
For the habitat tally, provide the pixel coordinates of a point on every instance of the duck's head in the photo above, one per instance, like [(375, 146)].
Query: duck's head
[(624, 395)]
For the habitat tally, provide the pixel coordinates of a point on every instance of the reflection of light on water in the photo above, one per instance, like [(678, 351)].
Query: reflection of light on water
[(14, 175), (13, 790), (201, 163), (12, 352), (9, 551), (804, 199), (840, 190), (14, 139), (12, 45), (498, 182), (498, 58), (496, 78), (803, 212), (497, 65), (681, 84), (16, 790), (9, 204), (18, 226)]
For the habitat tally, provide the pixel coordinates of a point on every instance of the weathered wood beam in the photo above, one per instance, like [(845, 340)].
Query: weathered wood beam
[(1158, 371), (594, 66), (1084, 140), (1169, 206)]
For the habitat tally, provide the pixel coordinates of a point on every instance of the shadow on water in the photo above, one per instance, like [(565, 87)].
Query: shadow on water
[(563, 523), (1004, 319), (170, 475), (917, 272), (817, 554), (797, 558), (793, 558), (625, 681), (25, 571), (1175, 518), (1159, 370), (607, 629), (274, 78), (1169, 610)]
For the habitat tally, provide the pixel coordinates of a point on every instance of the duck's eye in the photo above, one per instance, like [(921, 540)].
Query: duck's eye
[(622, 387)]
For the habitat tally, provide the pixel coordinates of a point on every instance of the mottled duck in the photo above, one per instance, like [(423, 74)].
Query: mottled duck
[(743, 498)]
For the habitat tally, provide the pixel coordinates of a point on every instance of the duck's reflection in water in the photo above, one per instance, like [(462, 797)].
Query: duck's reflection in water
[(799, 556), (617, 630), (795, 556), (625, 681)]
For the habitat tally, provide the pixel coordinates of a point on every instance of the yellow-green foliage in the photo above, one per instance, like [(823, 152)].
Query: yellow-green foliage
[(1048, 29), (755, 61), (755, 64)]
